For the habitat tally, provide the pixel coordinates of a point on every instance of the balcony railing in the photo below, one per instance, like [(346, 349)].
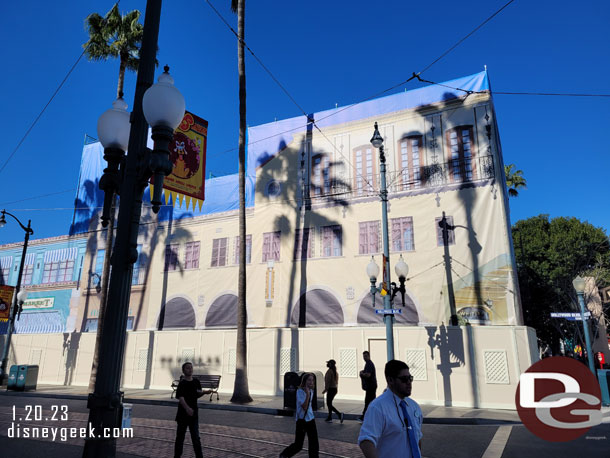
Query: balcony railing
[(454, 172)]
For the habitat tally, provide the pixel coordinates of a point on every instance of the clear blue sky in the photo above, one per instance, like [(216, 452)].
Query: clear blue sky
[(323, 53)]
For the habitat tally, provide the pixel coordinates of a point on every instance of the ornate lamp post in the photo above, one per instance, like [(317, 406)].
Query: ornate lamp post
[(579, 286), (19, 297), (387, 289), (162, 106)]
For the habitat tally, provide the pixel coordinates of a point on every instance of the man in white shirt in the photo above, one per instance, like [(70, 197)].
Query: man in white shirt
[(392, 424)]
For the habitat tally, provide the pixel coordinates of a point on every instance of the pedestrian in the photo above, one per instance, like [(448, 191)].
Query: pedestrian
[(392, 426), (368, 378), (305, 420), (331, 382), (189, 389)]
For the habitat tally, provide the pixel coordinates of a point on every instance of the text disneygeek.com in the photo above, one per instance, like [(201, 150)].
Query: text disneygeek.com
[(22, 428)]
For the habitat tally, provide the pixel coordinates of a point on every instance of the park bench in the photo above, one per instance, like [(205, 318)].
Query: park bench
[(208, 382)]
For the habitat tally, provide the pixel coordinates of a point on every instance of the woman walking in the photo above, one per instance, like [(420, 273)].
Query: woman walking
[(305, 420), (331, 381)]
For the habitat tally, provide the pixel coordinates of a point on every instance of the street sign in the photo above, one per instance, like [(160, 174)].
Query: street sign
[(571, 316), (388, 311)]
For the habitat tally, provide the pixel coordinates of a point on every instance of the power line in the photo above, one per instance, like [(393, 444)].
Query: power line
[(38, 197), (557, 94), (43, 110)]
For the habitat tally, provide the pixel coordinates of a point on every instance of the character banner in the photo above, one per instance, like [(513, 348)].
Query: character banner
[(6, 299), (187, 152)]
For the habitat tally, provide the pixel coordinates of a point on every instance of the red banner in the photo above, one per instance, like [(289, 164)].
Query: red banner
[(187, 152), (6, 299)]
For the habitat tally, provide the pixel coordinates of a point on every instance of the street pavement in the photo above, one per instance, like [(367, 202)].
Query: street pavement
[(263, 429)]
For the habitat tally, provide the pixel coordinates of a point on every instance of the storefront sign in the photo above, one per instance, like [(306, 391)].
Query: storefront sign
[(39, 303), (6, 299)]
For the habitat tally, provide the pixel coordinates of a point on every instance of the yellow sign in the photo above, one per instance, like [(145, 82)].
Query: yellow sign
[(6, 299)]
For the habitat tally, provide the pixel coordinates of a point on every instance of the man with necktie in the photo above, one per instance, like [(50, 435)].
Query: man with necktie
[(393, 422)]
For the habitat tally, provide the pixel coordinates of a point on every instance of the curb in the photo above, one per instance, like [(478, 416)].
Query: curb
[(466, 421)]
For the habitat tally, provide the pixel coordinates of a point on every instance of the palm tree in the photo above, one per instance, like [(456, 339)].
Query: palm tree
[(114, 35), (514, 180), (241, 393)]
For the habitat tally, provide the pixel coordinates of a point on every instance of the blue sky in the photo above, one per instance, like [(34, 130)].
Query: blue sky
[(324, 53)]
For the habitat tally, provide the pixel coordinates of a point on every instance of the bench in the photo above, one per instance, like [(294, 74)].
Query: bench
[(208, 382)]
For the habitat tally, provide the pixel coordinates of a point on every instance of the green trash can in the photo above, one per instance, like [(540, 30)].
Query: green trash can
[(603, 375), (12, 377), (27, 378)]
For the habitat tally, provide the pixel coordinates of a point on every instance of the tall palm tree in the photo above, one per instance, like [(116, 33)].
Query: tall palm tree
[(514, 180), (117, 36), (241, 393)]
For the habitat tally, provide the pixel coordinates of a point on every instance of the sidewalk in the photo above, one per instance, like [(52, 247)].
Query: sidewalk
[(273, 405)]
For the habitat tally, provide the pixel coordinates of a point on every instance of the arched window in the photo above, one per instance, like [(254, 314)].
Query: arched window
[(410, 161), (222, 312), (177, 313), (367, 315), (321, 309), (460, 154)]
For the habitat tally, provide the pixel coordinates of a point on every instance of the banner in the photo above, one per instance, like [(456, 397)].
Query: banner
[(6, 299), (187, 152)]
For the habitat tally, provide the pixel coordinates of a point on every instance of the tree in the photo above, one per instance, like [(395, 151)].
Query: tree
[(550, 253), (241, 393), (114, 35), (514, 180)]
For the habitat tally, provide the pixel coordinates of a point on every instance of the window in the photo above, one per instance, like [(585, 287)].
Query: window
[(320, 174), (439, 231), (331, 241), (369, 237), (99, 261), (461, 151), (410, 161), (365, 173), (5, 268), (171, 257), (271, 246), (3, 275), (219, 252), (191, 255), (91, 325), (60, 271), (26, 278), (303, 244), (402, 234), (137, 277), (248, 249)]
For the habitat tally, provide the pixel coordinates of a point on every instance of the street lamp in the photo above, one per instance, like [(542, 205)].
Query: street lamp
[(161, 106), (19, 296), (387, 289), (579, 287)]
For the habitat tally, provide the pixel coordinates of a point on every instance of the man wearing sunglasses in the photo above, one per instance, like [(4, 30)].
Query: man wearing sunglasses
[(393, 422)]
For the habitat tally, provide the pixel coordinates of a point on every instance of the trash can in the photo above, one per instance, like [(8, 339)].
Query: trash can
[(27, 378), (292, 380), (603, 375), (11, 383), (126, 421), (317, 401)]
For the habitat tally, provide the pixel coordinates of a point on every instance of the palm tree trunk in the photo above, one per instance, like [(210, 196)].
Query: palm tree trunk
[(119, 88), (104, 295), (241, 392)]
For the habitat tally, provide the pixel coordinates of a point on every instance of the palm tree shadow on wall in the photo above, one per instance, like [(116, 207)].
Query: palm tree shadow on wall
[(303, 201)]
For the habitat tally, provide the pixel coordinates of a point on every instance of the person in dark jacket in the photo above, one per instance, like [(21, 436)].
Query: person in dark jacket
[(369, 382), (187, 393)]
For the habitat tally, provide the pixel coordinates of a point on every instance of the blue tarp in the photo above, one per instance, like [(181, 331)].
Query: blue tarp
[(264, 142)]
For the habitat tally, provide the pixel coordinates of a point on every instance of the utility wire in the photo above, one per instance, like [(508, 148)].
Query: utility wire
[(38, 197), (43, 110)]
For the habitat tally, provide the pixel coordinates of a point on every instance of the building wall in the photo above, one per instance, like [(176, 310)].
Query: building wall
[(459, 366)]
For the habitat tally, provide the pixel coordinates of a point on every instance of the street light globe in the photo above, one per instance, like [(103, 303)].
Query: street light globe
[(2, 221), (113, 126), (579, 284), (163, 104), (401, 268), (377, 139), (22, 296), (372, 269)]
